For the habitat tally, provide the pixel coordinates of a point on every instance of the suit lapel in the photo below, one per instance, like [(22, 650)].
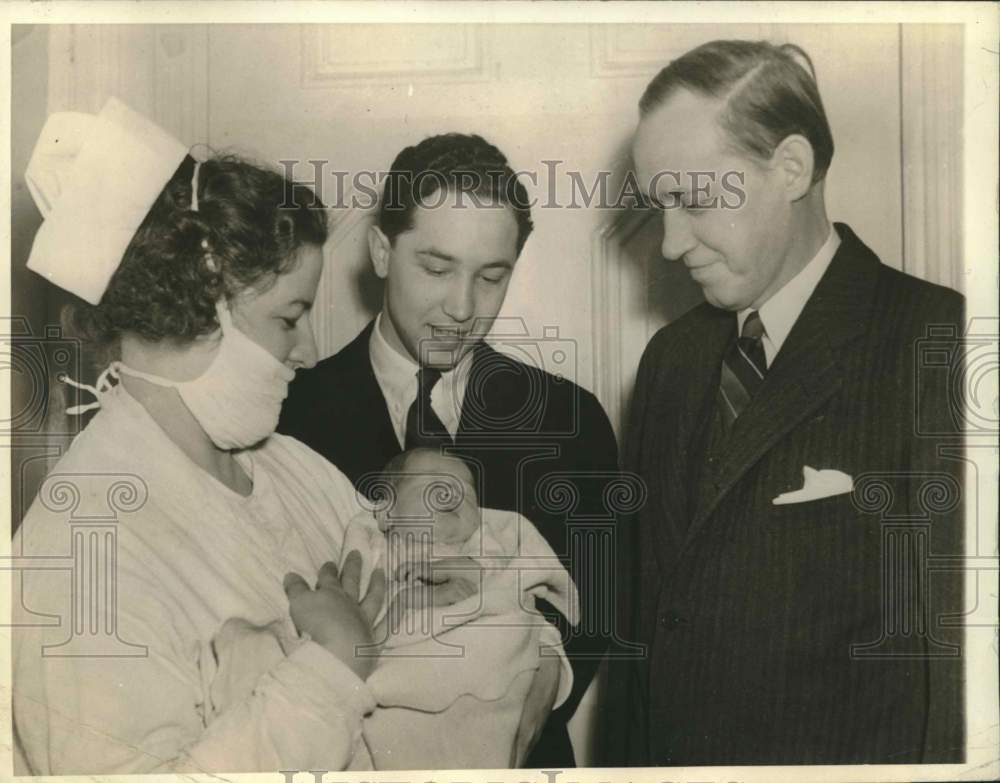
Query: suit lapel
[(681, 453), (806, 372), (493, 395), (380, 438), (479, 390)]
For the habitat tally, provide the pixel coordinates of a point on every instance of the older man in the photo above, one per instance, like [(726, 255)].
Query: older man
[(762, 583)]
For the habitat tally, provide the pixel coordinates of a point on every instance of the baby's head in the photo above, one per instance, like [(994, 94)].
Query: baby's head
[(431, 488)]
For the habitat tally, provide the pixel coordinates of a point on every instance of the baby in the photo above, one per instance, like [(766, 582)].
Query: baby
[(451, 679), (428, 527), (428, 486)]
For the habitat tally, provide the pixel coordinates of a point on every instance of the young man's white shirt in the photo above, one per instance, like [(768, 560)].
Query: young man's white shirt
[(397, 378)]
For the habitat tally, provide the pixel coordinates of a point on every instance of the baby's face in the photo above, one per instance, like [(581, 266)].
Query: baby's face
[(437, 489)]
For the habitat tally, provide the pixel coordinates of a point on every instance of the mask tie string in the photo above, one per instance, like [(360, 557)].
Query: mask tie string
[(102, 386), (194, 186)]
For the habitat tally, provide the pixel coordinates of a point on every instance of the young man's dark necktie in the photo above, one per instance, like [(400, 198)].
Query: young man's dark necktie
[(423, 427), (743, 369)]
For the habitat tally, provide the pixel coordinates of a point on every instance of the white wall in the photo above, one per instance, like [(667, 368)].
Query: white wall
[(355, 95)]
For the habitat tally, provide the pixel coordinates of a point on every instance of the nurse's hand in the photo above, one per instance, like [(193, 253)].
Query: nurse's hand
[(335, 615)]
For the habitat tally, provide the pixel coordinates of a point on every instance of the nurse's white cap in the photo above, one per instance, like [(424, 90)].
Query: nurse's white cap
[(94, 179)]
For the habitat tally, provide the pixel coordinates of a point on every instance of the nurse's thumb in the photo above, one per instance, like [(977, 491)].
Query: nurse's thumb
[(294, 586)]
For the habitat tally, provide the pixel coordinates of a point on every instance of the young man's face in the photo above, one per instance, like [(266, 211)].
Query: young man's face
[(446, 278), (738, 256)]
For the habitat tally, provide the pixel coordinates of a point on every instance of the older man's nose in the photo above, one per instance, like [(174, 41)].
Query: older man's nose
[(678, 238)]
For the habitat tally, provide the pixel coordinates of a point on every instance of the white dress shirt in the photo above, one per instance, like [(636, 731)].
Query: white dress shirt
[(782, 310), (397, 377)]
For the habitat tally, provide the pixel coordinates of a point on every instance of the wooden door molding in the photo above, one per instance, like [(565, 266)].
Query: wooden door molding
[(931, 90), (460, 53), (161, 71)]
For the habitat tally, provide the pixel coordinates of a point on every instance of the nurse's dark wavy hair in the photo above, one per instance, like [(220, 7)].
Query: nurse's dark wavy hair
[(249, 223)]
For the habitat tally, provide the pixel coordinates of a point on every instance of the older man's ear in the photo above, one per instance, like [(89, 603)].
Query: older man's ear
[(794, 160)]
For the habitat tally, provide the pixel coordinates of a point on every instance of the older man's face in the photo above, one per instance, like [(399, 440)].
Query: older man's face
[(737, 254)]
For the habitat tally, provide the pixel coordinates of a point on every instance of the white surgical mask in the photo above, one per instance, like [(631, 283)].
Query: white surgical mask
[(237, 400)]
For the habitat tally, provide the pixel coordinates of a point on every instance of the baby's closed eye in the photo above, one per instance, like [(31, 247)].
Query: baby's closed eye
[(438, 571), (455, 589)]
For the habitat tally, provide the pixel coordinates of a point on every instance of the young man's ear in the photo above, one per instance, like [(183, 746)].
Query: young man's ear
[(379, 248), (795, 161)]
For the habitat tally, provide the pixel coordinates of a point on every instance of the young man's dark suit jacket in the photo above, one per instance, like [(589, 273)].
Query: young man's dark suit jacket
[(519, 430), (750, 608)]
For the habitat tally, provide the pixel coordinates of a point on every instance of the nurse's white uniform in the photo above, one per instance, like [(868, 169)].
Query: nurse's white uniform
[(194, 556)]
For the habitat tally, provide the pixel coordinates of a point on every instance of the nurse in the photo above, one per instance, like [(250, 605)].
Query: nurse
[(200, 276)]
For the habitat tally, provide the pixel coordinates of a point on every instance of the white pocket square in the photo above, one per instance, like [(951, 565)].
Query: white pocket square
[(817, 484)]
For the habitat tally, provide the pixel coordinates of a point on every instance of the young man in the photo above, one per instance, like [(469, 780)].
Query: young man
[(451, 225), (762, 583)]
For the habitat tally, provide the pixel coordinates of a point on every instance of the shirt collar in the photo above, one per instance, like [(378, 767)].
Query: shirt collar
[(782, 310), (396, 374)]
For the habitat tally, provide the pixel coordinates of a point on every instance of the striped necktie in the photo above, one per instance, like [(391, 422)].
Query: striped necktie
[(743, 369), (423, 426)]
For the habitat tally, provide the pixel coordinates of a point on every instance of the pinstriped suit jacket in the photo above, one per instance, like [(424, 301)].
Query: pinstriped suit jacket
[(795, 634)]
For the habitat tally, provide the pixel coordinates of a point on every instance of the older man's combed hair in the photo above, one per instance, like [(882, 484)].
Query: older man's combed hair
[(769, 91)]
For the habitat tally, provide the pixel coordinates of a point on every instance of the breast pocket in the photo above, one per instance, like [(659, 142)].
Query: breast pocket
[(823, 513)]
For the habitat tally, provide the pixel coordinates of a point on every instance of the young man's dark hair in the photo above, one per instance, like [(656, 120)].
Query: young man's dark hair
[(463, 163)]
